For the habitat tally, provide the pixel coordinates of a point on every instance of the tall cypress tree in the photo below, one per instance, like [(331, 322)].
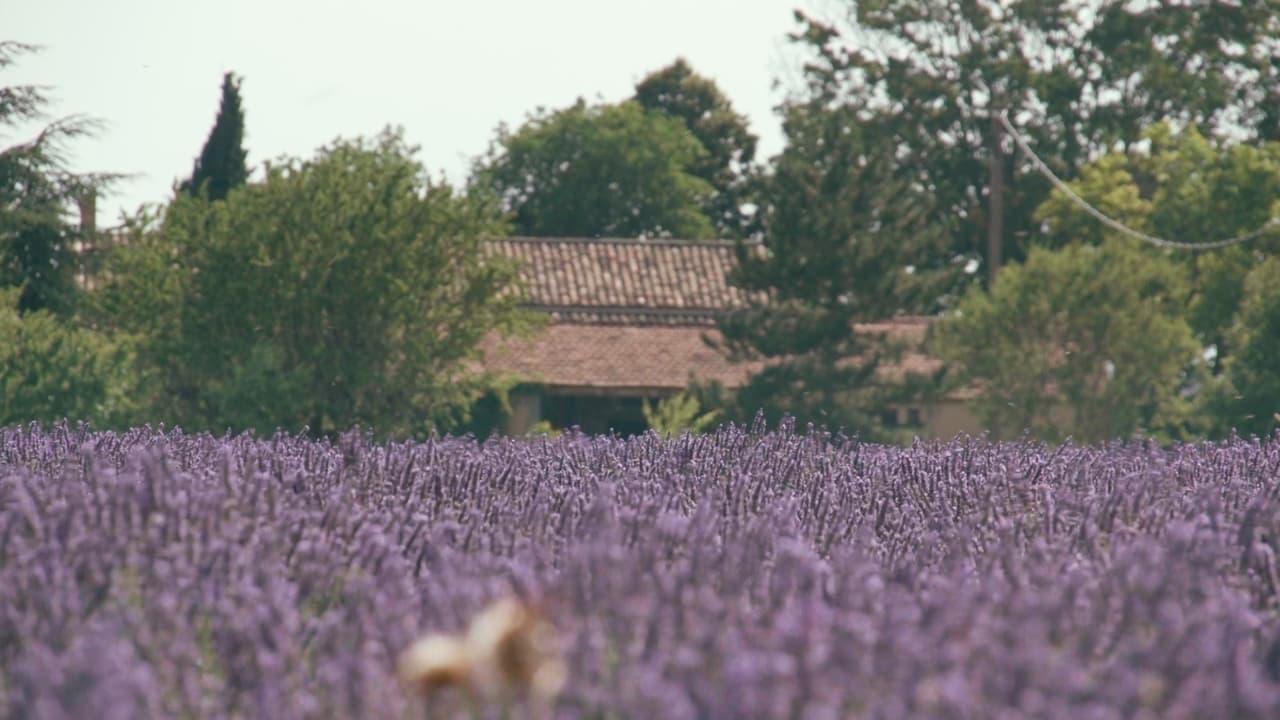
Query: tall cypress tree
[(221, 165)]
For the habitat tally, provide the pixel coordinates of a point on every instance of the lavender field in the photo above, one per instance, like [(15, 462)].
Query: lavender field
[(736, 575)]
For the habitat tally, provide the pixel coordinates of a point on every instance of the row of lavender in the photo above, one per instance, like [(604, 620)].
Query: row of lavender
[(737, 575)]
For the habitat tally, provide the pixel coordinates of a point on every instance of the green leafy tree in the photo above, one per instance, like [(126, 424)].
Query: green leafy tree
[(600, 171), (36, 189), (841, 231), (1247, 398), (1084, 341), (221, 166), (50, 370), (930, 75), (1189, 188), (727, 165), (346, 289)]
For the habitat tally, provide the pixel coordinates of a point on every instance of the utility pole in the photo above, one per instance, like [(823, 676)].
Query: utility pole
[(995, 198)]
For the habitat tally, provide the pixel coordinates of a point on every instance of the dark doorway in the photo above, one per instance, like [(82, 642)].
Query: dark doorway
[(596, 415)]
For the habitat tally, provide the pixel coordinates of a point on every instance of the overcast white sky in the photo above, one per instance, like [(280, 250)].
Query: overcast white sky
[(448, 72)]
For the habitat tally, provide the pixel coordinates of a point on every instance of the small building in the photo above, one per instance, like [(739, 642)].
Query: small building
[(631, 320)]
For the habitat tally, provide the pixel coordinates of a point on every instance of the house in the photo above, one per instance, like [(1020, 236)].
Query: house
[(630, 321)]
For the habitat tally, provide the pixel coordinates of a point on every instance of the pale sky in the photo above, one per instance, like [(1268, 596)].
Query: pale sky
[(448, 72)]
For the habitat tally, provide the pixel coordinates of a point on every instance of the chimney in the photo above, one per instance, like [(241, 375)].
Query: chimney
[(88, 203)]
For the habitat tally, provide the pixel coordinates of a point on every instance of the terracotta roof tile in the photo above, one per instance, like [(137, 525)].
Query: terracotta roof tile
[(641, 360), (631, 274)]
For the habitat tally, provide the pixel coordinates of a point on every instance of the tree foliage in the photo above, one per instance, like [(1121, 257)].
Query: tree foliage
[(221, 166), (1084, 341), (730, 146), (1247, 398), (343, 289), (841, 231), (929, 74), (1186, 187), (36, 235), (677, 414), (600, 171), (50, 370)]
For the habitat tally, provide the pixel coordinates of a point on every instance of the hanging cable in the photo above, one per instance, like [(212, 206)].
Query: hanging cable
[(1116, 225)]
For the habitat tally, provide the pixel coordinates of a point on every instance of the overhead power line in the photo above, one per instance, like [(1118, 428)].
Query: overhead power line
[(1115, 224)]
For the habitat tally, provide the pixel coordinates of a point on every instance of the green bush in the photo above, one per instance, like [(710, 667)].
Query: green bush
[(50, 370), (677, 414)]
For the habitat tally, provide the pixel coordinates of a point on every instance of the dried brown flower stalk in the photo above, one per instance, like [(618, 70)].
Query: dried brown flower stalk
[(509, 652)]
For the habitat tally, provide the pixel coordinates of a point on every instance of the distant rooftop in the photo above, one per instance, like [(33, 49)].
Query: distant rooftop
[(613, 281), (631, 316)]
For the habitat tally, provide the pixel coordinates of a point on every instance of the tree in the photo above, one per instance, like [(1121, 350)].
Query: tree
[(841, 231), (931, 77), (1189, 188), (221, 165), (1247, 398), (36, 237), (600, 171), (727, 166), (1084, 341), (50, 370), (340, 290)]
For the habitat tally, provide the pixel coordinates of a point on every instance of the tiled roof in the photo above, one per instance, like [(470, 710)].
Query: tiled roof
[(623, 278), (623, 359), (641, 359), (905, 327), (629, 316)]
